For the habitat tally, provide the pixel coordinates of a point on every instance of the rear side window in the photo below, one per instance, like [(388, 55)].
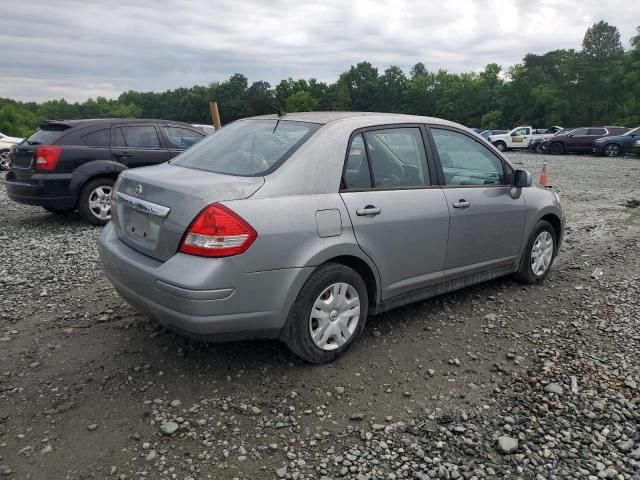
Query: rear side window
[(99, 138), (597, 131), (247, 147), (465, 161), (47, 135), (139, 136), (181, 138), (356, 173)]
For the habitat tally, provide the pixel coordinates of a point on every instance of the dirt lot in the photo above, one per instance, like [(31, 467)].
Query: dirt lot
[(496, 381)]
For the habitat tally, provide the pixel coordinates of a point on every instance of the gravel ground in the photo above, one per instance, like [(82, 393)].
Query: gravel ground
[(495, 381)]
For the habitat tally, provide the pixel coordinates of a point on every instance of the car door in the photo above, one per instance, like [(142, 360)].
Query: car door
[(399, 215), (486, 224), (577, 139), (137, 145), (179, 138), (520, 138)]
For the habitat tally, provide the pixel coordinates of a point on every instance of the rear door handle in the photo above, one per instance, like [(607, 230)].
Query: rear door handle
[(368, 211), (122, 155), (462, 203)]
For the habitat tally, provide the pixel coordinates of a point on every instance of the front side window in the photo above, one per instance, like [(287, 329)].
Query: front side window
[(467, 162), (247, 147), (141, 136), (181, 138), (579, 132), (521, 131)]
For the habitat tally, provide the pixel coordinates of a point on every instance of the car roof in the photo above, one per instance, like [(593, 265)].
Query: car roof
[(365, 118), (98, 121)]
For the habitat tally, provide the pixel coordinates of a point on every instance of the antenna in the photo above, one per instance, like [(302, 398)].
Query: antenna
[(280, 111)]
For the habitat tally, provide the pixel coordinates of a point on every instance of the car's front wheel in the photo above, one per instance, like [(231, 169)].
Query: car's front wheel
[(611, 150), (539, 254), (328, 314), (5, 163), (556, 149), (94, 202), (501, 146)]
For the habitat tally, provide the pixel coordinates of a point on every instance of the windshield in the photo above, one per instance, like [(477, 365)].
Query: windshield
[(635, 131), (247, 147)]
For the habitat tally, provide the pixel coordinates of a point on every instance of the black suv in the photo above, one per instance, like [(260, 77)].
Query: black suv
[(73, 164)]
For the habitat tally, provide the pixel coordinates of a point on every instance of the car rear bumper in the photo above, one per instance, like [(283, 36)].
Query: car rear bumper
[(46, 190), (228, 305)]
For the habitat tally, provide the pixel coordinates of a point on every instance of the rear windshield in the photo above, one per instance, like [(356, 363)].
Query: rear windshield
[(247, 147), (47, 134)]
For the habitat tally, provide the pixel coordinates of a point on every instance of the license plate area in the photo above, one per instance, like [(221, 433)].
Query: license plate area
[(139, 225)]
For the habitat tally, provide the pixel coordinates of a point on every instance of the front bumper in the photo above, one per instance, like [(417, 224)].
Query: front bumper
[(45, 190), (203, 297)]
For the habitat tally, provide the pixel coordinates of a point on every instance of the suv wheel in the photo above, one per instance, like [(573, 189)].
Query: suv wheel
[(556, 149), (539, 254), (501, 146), (5, 163), (329, 313), (611, 150), (94, 203)]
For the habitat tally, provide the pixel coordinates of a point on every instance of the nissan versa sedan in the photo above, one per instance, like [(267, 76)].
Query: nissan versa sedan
[(299, 226)]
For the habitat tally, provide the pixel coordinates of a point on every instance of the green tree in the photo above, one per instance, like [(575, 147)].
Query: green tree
[(301, 101)]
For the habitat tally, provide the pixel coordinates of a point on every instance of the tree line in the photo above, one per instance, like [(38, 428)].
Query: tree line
[(596, 85)]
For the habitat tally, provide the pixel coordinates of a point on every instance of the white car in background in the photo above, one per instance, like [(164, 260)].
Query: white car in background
[(5, 145), (521, 137), (207, 129)]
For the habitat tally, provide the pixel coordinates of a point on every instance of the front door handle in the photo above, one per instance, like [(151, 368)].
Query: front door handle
[(462, 203), (368, 211)]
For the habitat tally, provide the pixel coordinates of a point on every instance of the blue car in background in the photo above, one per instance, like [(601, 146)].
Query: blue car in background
[(616, 145)]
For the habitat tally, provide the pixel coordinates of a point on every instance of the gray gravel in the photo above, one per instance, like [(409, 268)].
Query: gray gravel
[(495, 381)]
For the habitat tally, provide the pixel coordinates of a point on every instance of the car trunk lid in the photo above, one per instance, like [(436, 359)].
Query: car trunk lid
[(152, 207), (23, 154)]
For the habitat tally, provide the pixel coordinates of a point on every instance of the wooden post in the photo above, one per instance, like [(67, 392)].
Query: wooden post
[(215, 115)]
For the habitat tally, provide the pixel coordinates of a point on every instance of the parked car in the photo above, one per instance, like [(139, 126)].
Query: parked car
[(208, 129), (72, 164), (536, 144), (299, 226), (521, 137), (6, 142), (579, 140), (488, 133), (616, 144)]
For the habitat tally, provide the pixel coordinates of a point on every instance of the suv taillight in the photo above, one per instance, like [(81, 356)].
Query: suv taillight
[(47, 157), (218, 232)]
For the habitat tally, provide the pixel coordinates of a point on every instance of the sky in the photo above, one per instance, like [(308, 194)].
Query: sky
[(76, 49)]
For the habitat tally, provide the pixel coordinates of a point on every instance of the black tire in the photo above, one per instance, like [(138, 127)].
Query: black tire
[(501, 146), (611, 150), (59, 211), (556, 148), (525, 273), (84, 209), (297, 333)]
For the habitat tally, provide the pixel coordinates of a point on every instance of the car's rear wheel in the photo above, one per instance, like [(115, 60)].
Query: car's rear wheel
[(611, 150), (59, 211), (5, 163), (501, 146), (328, 314), (94, 202), (539, 254), (556, 149)]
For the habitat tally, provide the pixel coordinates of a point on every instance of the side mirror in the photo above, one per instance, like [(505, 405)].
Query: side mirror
[(522, 179), (514, 134)]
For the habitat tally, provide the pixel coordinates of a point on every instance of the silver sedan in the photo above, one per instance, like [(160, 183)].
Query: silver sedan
[(299, 226)]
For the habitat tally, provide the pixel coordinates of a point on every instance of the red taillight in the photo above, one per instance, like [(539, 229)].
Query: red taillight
[(47, 157), (218, 232)]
